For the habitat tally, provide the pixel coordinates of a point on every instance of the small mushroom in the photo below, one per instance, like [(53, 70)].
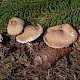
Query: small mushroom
[(37, 61), (60, 36), (15, 26), (30, 34)]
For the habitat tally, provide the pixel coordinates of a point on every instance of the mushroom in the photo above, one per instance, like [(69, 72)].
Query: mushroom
[(15, 26), (58, 40), (30, 34), (60, 36), (37, 61)]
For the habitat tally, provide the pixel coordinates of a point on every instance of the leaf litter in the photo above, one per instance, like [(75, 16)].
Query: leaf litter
[(16, 62)]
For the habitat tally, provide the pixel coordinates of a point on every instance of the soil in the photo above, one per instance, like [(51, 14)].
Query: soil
[(16, 62)]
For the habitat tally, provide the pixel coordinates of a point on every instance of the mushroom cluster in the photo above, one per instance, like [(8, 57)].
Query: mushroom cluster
[(57, 38), (30, 33)]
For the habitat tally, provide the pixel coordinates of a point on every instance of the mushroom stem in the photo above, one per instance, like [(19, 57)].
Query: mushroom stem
[(13, 38), (30, 47), (49, 56)]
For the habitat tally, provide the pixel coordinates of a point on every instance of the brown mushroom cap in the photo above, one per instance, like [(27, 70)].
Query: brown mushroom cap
[(15, 26), (30, 34), (60, 36)]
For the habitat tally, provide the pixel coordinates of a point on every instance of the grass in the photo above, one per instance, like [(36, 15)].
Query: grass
[(45, 12)]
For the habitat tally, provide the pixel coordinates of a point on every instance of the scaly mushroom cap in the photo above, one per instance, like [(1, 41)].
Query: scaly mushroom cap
[(60, 36), (15, 26), (30, 34)]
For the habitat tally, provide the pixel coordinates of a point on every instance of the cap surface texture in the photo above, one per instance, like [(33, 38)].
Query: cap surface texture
[(15, 26), (30, 34), (60, 36)]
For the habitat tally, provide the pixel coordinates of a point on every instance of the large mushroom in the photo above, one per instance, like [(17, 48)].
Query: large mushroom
[(58, 40), (15, 26), (30, 34)]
